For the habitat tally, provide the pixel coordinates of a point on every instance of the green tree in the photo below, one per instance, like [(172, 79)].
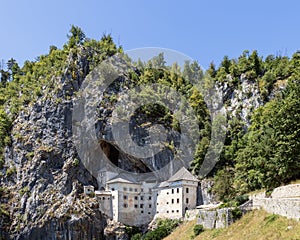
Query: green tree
[(76, 36), (271, 155), (13, 68)]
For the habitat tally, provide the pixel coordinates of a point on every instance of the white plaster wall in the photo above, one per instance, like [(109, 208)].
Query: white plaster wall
[(165, 207), (105, 204)]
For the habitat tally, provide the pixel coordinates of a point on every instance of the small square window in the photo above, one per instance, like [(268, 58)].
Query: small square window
[(135, 190), (125, 189), (142, 211), (136, 198), (142, 197), (150, 198), (135, 206), (113, 189), (141, 205), (177, 210), (130, 189), (167, 211), (125, 205), (149, 213)]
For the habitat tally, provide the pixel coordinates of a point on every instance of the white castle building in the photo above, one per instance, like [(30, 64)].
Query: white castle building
[(138, 203)]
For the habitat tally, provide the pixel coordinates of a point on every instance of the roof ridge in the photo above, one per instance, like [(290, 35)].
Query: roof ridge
[(182, 174)]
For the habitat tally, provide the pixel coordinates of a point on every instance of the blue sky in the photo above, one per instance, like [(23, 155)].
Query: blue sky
[(203, 30)]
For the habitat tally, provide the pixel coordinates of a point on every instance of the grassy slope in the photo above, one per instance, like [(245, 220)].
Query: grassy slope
[(257, 225)]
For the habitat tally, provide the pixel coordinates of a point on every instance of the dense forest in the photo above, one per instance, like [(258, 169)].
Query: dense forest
[(264, 154)]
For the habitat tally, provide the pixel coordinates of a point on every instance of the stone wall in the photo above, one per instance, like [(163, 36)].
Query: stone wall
[(216, 218), (284, 201), (287, 207), (288, 191), (219, 218)]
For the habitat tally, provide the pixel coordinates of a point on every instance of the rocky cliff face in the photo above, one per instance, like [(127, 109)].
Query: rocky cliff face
[(47, 176)]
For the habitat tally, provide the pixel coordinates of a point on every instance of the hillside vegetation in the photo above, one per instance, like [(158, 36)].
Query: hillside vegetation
[(255, 225), (262, 147)]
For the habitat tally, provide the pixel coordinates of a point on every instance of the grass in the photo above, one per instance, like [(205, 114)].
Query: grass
[(255, 225), (184, 230)]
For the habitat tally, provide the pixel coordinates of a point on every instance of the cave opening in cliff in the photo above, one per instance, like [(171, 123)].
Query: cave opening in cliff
[(110, 151)]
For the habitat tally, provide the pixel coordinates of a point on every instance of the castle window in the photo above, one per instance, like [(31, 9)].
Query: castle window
[(113, 197), (130, 189), (172, 191), (135, 190), (125, 197), (103, 198), (142, 189), (187, 190), (150, 206), (125, 205), (172, 211), (135, 206), (167, 211), (136, 198), (177, 210), (156, 203), (167, 202), (113, 189), (141, 205), (125, 189), (172, 201), (177, 200), (149, 197), (177, 190), (149, 213), (142, 197), (142, 211), (167, 192), (187, 200)]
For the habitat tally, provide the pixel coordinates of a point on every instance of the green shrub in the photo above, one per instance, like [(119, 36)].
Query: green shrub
[(164, 228), (11, 171), (30, 155), (76, 162), (241, 199), (198, 229), (236, 213), (24, 190), (271, 218), (137, 236)]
